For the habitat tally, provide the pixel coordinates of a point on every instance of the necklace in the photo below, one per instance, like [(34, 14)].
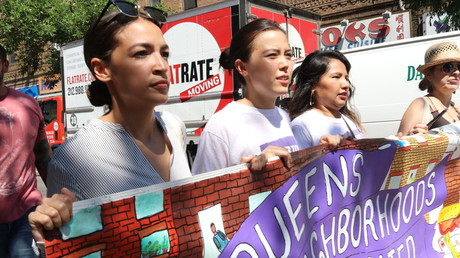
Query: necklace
[(349, 128)]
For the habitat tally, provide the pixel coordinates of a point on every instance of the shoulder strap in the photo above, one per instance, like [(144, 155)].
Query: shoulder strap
[(427, 109), (349, 128), (431, 105)]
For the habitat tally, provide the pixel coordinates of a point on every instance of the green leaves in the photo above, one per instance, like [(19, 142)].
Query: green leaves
[(28, 28), (438, 7)]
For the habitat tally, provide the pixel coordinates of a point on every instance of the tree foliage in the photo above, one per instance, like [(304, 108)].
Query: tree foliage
[(438, 7), (29, 28)]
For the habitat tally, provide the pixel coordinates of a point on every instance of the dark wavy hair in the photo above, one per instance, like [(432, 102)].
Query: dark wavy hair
[(425, 84), (99, 42), (242, 42), (308, 75), (2, 54)]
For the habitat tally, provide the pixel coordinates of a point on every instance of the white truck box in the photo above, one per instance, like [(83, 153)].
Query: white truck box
[(199, 86), (76, 78), (386, 80)]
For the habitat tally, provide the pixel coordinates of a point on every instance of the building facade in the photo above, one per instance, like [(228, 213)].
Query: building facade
[(15, 79), (331, 11)]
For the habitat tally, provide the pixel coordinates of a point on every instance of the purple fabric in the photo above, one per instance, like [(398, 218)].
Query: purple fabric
[(334, 207)]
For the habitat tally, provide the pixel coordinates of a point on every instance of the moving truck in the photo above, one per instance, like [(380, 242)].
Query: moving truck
[(386, 80), (51, 104), (76, 78), (199, 86), (52, 109)]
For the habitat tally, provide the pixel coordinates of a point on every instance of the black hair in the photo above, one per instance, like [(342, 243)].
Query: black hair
[(309, 73), (2, 54), (99, 42), (242, 41), (425, 84)]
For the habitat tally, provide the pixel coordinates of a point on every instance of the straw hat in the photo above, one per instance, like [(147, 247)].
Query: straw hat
[(440, 53)]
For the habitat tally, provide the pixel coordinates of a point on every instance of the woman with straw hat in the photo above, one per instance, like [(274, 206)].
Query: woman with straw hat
[(442, 78)]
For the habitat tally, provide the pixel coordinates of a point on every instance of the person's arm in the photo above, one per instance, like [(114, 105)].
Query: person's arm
[(216, 242), (305, 139), (332, 141), (54, 212), (258, 162), (42, 152), (411, 122)]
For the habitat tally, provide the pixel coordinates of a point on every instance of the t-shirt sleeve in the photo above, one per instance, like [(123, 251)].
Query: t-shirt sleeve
[(211, 155)]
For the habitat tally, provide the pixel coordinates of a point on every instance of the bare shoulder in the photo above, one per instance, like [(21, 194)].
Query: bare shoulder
[(418, 102), (417, 105)]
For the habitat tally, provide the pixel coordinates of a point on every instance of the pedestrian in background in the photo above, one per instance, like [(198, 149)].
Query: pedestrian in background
[(320, 107), (442, 78), (23, 150)]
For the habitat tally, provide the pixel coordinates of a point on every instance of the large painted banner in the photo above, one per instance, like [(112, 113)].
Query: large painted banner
[(368, 198)]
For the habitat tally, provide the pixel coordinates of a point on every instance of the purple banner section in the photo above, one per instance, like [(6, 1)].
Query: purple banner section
[(338, 206)]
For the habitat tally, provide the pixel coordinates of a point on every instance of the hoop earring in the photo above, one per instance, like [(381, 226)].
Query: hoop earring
[(312, 100)]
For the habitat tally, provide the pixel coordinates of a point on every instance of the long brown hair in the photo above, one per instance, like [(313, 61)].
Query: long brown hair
[(310, 71)]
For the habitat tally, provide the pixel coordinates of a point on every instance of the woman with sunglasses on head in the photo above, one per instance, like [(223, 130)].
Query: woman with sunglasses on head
[(251, 129), (131, 146), (442, 78), (320, 106)]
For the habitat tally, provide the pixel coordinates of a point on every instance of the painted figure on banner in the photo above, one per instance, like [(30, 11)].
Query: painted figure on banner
[(130, 146), (219, 238), (449, 229), (252, 129), (320, 107)]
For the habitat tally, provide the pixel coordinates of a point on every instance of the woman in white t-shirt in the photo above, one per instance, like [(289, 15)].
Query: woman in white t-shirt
[(320, 104), (251, 129)]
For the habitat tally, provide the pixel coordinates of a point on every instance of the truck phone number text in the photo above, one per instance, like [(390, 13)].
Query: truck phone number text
[(76, 90)]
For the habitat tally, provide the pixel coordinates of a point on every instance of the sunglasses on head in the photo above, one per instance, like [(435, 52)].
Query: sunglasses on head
[(450, 67), (132, 10)]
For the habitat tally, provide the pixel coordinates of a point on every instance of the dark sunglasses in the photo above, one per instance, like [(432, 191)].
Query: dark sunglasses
[(132, 10), (450, 67)]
